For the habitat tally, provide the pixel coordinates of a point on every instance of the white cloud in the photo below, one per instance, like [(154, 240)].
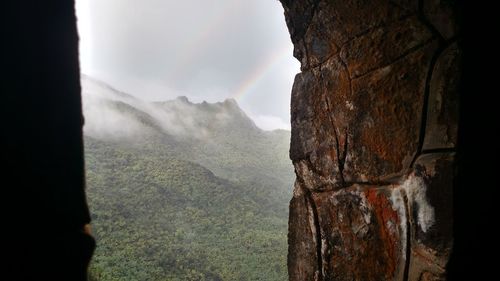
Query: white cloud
[(270, 122)]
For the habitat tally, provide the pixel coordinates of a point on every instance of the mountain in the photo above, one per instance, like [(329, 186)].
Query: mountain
[(183, 191)]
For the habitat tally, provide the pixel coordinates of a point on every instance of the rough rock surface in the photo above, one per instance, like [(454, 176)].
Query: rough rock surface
[(374, 129)]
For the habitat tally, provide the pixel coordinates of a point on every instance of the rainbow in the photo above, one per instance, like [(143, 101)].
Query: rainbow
[(261, 71), (193, 47)]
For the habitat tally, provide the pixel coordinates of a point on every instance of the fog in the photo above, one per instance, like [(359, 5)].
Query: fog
[(114, 115), (205, 50)]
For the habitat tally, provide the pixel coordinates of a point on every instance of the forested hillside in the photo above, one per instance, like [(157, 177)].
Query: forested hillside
[(183, 191)]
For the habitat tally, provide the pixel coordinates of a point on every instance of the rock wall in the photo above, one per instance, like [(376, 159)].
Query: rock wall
[(374, 130), (44, 209)]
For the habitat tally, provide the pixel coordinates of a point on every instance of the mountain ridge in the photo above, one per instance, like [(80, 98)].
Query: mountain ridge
[(184, 191), (229, 106)]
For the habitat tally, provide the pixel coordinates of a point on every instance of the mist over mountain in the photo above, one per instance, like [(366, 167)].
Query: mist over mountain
[(114, 114), (183, 191)]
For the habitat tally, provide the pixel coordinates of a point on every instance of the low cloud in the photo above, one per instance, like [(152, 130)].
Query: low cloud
[(112, 114), (270, 122)]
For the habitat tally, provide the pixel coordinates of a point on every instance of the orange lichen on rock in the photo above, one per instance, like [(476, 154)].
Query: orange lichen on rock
[(388, 219)]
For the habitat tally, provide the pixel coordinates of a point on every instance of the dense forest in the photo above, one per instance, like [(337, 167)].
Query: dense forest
[(183, 191)]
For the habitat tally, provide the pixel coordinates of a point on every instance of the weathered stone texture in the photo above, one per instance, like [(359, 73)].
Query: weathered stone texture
[(442, 15), (319, 143), (357, 224), (302, 235), (389, 104), (442, 114), (384, 45), (432, 213), (377, 93)]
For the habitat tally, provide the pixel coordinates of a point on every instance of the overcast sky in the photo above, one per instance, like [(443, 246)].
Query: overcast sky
[(203, 49)]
